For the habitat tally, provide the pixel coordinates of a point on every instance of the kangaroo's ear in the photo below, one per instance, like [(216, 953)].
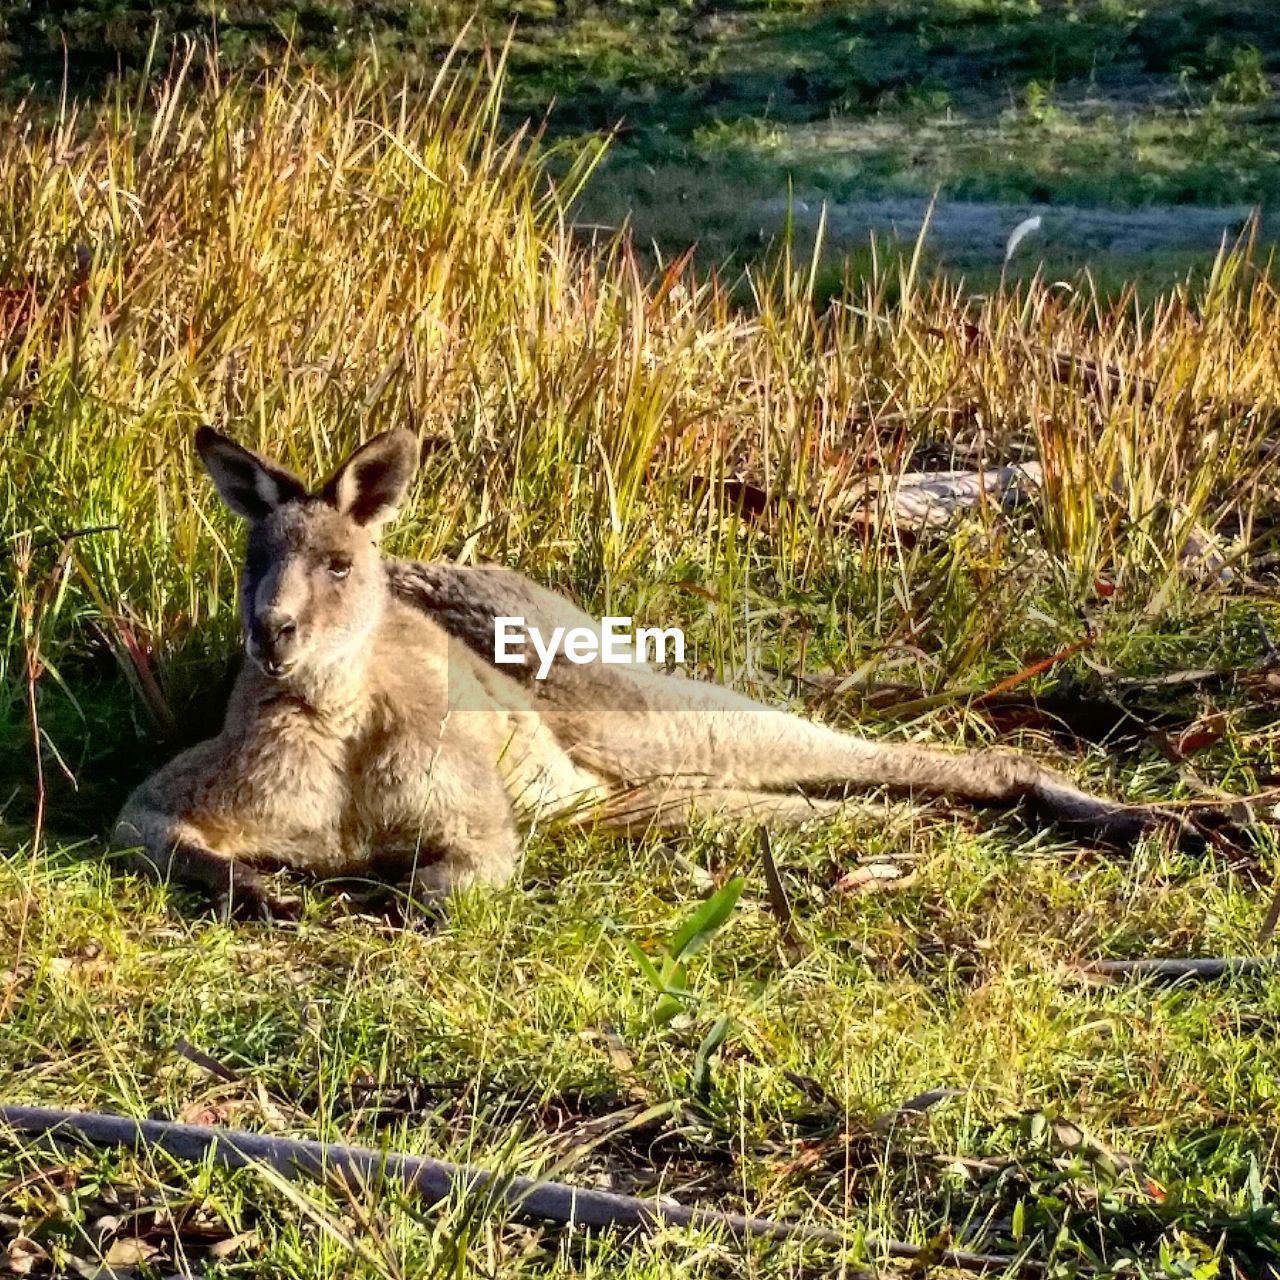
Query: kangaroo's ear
[(251, 486), (371, 484)]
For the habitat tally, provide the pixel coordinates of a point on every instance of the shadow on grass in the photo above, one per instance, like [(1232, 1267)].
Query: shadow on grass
[(666, 62), (99, 741)]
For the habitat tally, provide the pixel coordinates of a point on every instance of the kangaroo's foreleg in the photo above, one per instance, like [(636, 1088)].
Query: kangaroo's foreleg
[(477, 850), (467, 833), (174, 850)]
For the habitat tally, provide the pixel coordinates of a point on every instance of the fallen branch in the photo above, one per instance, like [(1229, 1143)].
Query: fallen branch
[(185, 1049), (1035, 669), (70, 535), (1174, 679), (1218, 967), (929, 499), (1267, 932), (437, 1180), (915, 1107), (1102, 378)]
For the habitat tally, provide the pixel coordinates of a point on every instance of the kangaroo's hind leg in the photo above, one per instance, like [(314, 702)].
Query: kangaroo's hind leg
[(742, 746), (675, 808), (982, 777)]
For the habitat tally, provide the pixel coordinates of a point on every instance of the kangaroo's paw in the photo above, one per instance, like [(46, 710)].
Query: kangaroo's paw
[(1195, 830), (430, 886), (1093, 818), (245, 897), (1232, 834)]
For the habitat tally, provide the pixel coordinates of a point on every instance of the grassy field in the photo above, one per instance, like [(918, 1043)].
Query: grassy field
[(726, 111), (306, 265)]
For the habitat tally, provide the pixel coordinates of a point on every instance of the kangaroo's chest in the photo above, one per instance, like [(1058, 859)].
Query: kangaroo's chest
[(388, 778), (403, 778), (356, 794)]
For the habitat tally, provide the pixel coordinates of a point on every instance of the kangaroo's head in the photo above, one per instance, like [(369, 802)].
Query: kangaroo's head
[(313, 587)]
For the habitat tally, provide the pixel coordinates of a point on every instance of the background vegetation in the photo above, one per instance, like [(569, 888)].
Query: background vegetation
[(307, 260), (727, 109)]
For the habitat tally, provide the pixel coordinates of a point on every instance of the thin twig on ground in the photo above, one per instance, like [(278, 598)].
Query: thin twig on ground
[(1267, 932), (794, 945), (1173, 967)]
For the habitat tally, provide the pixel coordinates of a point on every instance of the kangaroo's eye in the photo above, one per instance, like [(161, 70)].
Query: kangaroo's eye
[(339, 568)]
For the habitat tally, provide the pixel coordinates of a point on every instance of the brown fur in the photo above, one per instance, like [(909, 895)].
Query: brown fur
[(371, 732)]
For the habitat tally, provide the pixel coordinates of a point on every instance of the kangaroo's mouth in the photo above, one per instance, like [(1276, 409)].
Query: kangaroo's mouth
[(276, 668)]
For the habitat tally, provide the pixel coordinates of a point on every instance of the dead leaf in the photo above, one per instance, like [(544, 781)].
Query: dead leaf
[(794, 945), (614, 1046), (1075, 1140), (809, 1155), (87, 1270), (87, 960), (875, 877), (1203, 733), (129, 1252), (273, 1116), (135, 658), (91, 1270), (52, 1177), (233, 1244), (935, 1251), (205, 1113), (694, 589), (20, 907), (22, 1255)]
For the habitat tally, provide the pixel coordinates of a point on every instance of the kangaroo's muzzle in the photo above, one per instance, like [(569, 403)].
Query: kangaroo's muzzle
[(274, 643)]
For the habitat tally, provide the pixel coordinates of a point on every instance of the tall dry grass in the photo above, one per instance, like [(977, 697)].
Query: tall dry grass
[(306, 263)]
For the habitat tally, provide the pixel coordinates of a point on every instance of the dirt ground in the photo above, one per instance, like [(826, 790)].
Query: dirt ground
[(976, 233)]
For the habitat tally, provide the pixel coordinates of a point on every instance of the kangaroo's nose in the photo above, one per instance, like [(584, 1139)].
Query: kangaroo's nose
[(276, 626), (280, 630), (277, 639)]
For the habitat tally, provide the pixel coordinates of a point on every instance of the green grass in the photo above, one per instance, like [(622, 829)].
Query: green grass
[(307, 265)]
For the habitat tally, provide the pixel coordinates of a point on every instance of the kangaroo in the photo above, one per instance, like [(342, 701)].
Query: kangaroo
[(370, 732)]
